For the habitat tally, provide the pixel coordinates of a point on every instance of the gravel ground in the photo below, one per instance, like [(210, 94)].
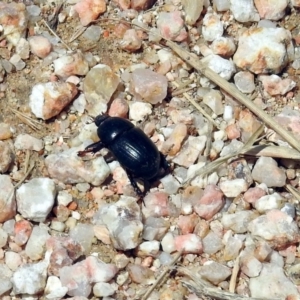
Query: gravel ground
[(214, 85)]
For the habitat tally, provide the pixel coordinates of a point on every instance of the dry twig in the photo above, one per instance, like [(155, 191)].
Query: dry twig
[(212, 166), (201, 288), (55, 34), (233, 91), (234, 274), (34, 124), (162, 276)]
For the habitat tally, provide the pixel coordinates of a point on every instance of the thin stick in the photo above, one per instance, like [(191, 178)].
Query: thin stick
[(234, 274), (201, 288), (161, 276), (35, 125), (232, 90), (202, 111), (293, 191), (27, 158), (181, 91), (77, 33), (32, 164), (54, 33)]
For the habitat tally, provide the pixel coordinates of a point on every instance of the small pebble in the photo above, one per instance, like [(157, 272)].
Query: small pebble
[(267, 171), (131, 41), (28, 142), (35, 198), (244, 11), (274, 85), (40, 46), (214, 272), (5, 131), (125, 232), (252, 45), (212, 26), (171, 26), (210, 203), (7, 156), (244, 81), (265, 284), (271, 10), (49, 99), (89, 10), (139, 111), (148, 86), (98, 92)]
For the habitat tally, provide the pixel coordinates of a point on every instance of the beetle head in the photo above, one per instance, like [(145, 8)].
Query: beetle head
[(100, 119)]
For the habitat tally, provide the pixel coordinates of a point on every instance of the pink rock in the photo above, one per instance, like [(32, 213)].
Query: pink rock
[(89, 10), (64, 251), (147, 262), (188, 223), (131, 41), (142, 4), (171, 26), (40, 46), (164, 67), (121, 178), (157, 204), (76, 279), (7, 199), (248, 124), (289, 251), (61, 212), (290, 120), (271, 9), (253, 194), (123, 4), (120, 29), (173, 143), (14, 21), (99, 271), (118, 108), (97, 193), (73, 79), (189, 243), (22, 232), (49, 99), (210, 203), (277, 228), (233, 132), (148, 86), (274, 85)]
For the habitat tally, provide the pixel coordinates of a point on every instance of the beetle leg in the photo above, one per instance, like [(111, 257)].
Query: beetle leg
[(164, 164), (135, 186), (94, 148)]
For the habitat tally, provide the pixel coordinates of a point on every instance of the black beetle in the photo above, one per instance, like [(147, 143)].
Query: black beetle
[(134, 150)]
